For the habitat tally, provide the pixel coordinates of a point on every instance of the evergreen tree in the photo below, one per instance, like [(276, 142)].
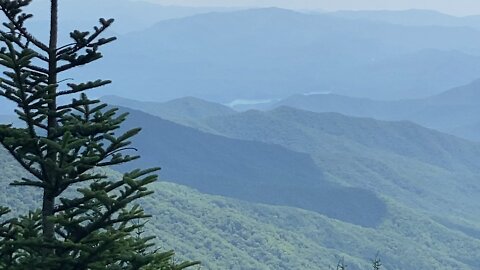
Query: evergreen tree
[(87, 220), (376, 263)]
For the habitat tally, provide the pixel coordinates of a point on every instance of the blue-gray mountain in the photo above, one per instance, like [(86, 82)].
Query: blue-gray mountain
[(456, 111), (129, 15), (273, 53), (413, 17)]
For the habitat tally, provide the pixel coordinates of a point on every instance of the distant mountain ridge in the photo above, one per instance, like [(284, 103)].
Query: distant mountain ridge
[(129, 15), (455, 111), (186, 110), (274, 53), (412, 17)]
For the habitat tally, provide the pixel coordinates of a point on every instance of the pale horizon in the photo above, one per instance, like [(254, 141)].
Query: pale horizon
[(460, 8)]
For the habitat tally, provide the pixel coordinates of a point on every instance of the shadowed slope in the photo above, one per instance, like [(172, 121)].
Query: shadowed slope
[(247, 170)]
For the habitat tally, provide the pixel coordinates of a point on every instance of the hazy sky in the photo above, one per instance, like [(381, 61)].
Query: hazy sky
[(456, 7)]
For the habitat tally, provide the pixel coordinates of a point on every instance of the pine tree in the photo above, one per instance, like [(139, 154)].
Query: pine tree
[(376, 263), (87, 220)]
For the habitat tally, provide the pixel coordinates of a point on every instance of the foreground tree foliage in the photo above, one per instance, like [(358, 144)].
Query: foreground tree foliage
[(87, 220)]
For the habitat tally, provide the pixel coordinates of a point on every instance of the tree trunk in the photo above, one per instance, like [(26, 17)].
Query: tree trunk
[(48, 194), (48, 209)]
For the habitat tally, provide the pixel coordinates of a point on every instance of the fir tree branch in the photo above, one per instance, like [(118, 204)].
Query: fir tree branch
[(82, 87), (30, 169), (23, 46), (28, 182), (76, 47), (24, 32)]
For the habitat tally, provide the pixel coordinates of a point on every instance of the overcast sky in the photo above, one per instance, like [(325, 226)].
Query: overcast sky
[(456, 7)]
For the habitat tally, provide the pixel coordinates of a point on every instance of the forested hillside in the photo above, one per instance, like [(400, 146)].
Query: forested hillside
[(248, 170), (236, 234), (233, 234), (422, 168)]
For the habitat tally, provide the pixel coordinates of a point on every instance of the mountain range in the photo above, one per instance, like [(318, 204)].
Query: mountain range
[(433, 227), (419, 167), (129, 15), (361, 149), (455, 111), (422, 203), (274, 53), (196, 52)]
